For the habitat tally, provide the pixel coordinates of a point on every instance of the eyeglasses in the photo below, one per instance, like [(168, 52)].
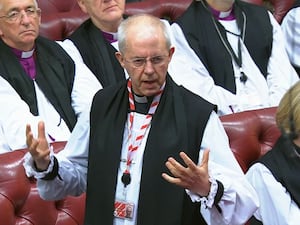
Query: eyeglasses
[(141, 62), (14, 16)]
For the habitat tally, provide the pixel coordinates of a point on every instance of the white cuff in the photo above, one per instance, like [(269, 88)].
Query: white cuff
[(30, 168), (208, 200)]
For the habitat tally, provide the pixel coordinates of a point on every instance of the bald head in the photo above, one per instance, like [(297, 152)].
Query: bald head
[(141, 26)]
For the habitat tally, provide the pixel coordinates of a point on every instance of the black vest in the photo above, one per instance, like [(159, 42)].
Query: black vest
[(284, 165), (201, 34), (55, 76), (98, 54), (178, 125)]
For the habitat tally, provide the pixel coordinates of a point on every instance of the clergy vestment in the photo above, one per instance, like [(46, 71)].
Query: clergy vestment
[(173, 128), (204, 63), (47, 86), (284, 162), (275, 176), (97, 53), (207, 44), (291, 29), (55, 72), (92, 161)]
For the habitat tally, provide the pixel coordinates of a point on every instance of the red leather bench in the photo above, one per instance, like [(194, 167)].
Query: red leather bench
[(20, 203), (60, 18)]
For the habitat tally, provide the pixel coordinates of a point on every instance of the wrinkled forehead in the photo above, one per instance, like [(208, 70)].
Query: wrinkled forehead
[(145, 26), (9, 4)]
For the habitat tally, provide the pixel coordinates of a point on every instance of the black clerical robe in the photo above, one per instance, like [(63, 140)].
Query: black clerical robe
[(98, 54), (55, 72), (296, 4), (284, 164), (178, 125), (203, 38)]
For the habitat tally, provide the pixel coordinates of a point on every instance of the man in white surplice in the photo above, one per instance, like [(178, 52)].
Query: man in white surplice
[(204, 63)]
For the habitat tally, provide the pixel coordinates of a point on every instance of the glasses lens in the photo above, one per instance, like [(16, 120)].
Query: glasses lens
[(14, 16), (155, 61)]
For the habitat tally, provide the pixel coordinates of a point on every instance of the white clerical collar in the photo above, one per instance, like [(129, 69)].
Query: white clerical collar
[(23, 55), (109, 36), (115, 35), (140, 99), (26, 55), (225, 14)]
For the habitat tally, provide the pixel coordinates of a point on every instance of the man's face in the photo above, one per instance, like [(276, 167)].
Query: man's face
[(19, 25), (146, 60), (104, 13)]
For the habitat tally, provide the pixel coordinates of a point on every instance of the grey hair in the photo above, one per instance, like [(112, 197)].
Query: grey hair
[(150, 22), (34, 1)]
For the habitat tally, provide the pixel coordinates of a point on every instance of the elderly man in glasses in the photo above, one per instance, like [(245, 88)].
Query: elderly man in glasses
[(144, 146), (39, 81)]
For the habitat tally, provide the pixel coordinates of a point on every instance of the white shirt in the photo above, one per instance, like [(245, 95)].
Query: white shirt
[(238, 202), (276, 207), (187, 69), (15, 113), (291, 29)]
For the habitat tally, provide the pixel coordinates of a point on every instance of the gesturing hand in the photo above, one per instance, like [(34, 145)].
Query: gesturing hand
[(192, 177), (38, 148)]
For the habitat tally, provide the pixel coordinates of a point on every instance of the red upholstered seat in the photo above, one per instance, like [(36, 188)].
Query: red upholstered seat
[(251, 134), (20, 203), (280, 8), (170, 9), (60, 18)]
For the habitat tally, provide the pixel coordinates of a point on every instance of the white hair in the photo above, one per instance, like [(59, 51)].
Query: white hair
[(150, 22)]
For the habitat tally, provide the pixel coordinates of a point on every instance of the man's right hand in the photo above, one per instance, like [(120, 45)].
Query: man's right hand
[(38, 148)]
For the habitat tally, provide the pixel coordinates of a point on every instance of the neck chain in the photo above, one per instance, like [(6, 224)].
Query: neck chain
[(296, 149), (237, 58)]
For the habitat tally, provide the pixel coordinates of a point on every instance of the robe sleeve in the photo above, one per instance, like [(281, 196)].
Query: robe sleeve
[(239, 200), (276, 204)]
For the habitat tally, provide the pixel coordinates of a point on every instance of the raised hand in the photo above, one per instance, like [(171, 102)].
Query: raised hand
[(192, 177), (38, 148)]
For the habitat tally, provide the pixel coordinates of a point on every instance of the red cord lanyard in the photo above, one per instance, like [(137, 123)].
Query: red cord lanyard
[(135, 144)]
